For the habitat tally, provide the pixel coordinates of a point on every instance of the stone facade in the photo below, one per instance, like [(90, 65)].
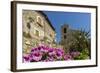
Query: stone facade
[(37, 29)]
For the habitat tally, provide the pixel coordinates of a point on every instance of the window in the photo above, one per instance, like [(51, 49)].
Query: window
[(64, 36), (31, 19), (28, 25), (50, 35), (37, 33), (39, 21), (64, 30), (29, 22)]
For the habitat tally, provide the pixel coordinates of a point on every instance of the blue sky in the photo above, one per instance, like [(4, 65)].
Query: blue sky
[(75, 20)]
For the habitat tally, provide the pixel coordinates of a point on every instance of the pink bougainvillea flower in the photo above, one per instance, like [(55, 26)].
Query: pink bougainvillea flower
[(45, 53), (59, 54), (43, 49), (34, 49), (36, 56), (51, 58), (26, 58), (60, 50), (67, 57), (48, 59), (52, 52), (75, 54)]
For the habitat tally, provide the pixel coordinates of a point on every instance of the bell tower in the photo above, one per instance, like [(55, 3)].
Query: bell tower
[(64, 39)]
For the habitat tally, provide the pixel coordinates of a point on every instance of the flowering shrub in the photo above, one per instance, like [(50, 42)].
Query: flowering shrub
[(45, 54)]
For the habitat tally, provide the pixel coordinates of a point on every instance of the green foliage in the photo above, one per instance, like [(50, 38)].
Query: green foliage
[(82, 44), (83, 55)]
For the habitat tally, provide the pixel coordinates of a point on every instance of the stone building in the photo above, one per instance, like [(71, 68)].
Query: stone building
[(37, 29)]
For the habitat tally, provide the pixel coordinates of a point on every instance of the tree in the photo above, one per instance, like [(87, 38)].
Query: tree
[(82, 42)]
